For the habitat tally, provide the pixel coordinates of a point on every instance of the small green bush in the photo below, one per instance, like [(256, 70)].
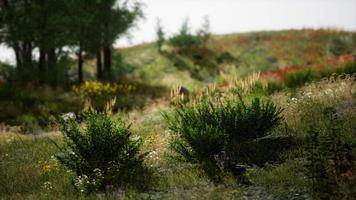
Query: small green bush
[(212, 133), (102, 154), (274, 87), (330, 160), (350, 68), (185, 39), (29, 123), (342, 44), (297, 79)]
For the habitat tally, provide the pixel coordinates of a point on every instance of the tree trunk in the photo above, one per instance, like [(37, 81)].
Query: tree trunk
[(80, 65), (99, 65), (107, 60), (51, 66), (26, 54), (52, 59), (18, 56), (107, 51), (42, 66)]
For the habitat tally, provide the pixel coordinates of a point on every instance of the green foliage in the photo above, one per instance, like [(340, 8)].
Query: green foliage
[(29, 123), (297, 79), (343, 44), (189, 52), (49, 26), (284, 181), (300, 78), (212, 133), (32, 108), (185, 39), (330, 160), (350, 68), (103, 153), (160, 35), (274, 87)]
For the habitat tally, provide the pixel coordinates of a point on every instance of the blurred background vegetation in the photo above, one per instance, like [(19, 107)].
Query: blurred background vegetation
[(277, 108)]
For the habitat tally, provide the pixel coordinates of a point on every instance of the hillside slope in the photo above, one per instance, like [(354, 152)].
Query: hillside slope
[(250, 52)]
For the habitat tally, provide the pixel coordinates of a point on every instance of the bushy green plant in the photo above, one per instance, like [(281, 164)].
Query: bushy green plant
[(185, 39), (103, 153), (274, 87), (29, 123), (330, 160), (297, 79), (350, 68), (343, 44), (212, 133)]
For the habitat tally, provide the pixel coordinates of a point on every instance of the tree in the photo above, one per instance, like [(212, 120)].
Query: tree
[(51, 34), (160, 35), (18, 32), (114, 19), (30, 25), (90, 27), (96, 26)]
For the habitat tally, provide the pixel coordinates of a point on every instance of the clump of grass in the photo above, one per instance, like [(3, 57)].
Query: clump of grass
[(214, 133)]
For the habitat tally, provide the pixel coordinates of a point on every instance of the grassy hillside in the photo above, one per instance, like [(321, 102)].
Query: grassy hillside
[(309, 74), (251, 52)]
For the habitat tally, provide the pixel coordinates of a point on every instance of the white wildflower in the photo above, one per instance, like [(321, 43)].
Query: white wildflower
[(68, 116)]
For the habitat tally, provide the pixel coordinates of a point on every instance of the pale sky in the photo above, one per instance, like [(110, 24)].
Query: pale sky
[(230, 16)]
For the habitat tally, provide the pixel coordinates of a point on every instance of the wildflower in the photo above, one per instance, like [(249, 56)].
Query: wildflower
[(68, 116), (47, 185), (47, 167)]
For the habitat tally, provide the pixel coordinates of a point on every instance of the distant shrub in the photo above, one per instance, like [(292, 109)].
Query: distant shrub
[(341, 45), (185, 39), (300, 78), (330, 160), (17, 104), (211, 133), (29, 123), (160, 35), (297, 79), (98, 93), (274, 87), (350, 68), (96, 88), (104, 153)]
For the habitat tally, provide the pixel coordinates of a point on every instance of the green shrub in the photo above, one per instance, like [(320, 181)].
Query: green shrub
[(102, 154), (330, 160), (185, 39), (29, 123), (350, 68), (297, 79), (343, 44), (160, 35), (212, 133), (274, 87)]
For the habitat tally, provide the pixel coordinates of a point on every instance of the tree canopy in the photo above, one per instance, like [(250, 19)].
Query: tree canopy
[(46, 27)]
